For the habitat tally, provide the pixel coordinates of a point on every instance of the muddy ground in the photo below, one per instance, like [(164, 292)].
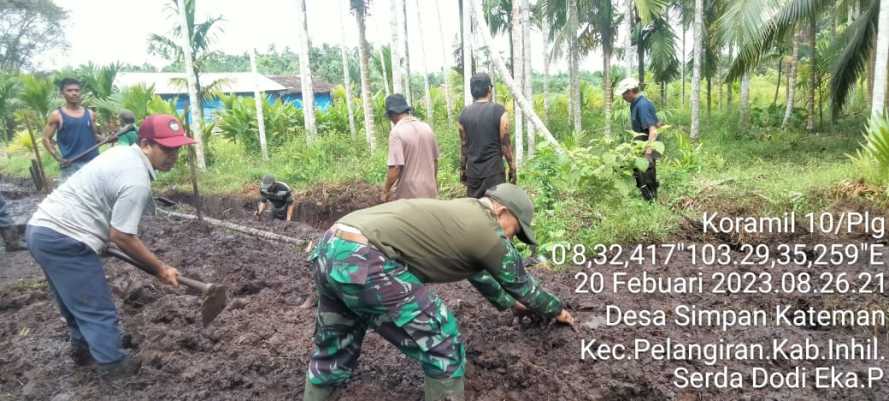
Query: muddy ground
[(258, 347)]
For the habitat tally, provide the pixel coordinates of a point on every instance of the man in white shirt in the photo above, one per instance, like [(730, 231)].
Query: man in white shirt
[(72, 226)]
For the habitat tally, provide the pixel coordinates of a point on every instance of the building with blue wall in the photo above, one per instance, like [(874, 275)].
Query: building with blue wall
[(172, 86)]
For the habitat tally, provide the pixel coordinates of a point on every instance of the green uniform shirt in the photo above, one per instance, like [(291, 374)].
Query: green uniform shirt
[(128, 138), (444, 241)]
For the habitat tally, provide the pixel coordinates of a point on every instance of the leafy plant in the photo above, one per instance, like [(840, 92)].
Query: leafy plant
[(875, 148)]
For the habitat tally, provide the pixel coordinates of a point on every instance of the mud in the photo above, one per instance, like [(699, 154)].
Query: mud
[(258, 347)]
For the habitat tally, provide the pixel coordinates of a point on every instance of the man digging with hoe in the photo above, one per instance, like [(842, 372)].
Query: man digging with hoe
[(371, 268), (103, 201)]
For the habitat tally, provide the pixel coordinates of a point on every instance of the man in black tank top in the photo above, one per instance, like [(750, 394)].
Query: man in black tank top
[(485, 141)]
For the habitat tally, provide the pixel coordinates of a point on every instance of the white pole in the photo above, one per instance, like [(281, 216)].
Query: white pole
[(257, 96)]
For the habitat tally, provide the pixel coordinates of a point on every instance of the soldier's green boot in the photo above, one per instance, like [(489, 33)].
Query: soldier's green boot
[(314, 392), (443, 389)]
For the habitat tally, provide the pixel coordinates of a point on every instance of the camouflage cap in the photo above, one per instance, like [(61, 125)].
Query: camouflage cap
[(267, 182), (519, 204)]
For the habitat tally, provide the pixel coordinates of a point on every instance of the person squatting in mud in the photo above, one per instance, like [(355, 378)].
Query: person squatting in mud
[(8, 234), (103, 201), (371, 270), (644, 119), (279, 196)]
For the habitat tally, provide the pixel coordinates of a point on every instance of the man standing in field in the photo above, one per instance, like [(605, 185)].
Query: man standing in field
[(278, 196), (413, 154), (644, 119), (71, 127), (484, 139), (72, 226), (371, 270)]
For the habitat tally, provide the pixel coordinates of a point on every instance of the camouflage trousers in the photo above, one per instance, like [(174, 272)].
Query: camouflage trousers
[(360, 288)]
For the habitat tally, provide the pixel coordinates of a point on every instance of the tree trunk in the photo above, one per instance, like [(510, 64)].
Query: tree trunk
[(444, 66), (572, 65), (791, 80), (518, 75), (396, 48), (607, 90), (546, 82), (192, 88), (427, 98), (709, 96), (385, 72), (627, 26), (528, 73), (778, 86), (695, 131), (513, 88), (813, 77), (745, 100), (257, 98), (305, 71), (466, 27), (878, 101), (730, 86), (640, 60), (682, 67), (347, 79), (407, 55), (363, 54), (871, 76)]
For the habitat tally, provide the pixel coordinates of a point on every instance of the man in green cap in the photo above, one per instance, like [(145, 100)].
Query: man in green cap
[(371, 270), (279, 196)]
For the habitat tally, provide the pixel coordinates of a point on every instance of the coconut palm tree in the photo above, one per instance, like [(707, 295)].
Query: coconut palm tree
[(305, 79), (695, 131), (466, 46), (527, 72), (258, 101), (189, 43), (360, 7), (397, 47), (574, 81), (518, 74), (347, 79), (427, 97), (444, 66), (878, 102)]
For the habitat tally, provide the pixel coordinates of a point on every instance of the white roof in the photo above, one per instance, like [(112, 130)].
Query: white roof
[(173, 83)]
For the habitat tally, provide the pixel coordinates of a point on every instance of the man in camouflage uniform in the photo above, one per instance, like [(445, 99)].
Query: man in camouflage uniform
[(370, 272)]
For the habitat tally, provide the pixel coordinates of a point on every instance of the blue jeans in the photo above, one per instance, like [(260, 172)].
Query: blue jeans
[(76, 278)]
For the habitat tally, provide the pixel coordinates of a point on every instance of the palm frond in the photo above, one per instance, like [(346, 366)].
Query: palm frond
[(859, 39), (648, 10)]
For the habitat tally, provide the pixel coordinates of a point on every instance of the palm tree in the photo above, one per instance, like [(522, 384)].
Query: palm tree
[(466, 43), (476, 10), (37, 96), (397, 48), (518, 75), (878, 102), (527, 72), (360, 7), (347, 79), (385, 72), (9, 89), (427, 98), (257, 99), (574, 82), (305, 79), (791, 80), (407, 54), (444, 65), (189, 43), (695, 131)]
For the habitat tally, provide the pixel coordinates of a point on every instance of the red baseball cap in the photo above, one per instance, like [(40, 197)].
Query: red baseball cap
[(164, 129)]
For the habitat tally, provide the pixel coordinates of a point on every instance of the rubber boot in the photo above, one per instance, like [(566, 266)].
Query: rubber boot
[(443, 389), (10, 237), (315, 392)]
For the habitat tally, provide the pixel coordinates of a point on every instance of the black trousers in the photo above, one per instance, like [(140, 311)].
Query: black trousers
[(476, 186), (647, 181)]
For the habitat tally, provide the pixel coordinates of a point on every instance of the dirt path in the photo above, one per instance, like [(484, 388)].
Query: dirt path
[(258, 347)]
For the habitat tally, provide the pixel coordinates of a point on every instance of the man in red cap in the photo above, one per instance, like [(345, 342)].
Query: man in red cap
[(72, 226)]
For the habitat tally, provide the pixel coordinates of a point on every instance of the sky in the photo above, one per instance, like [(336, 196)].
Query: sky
[(105, 31)]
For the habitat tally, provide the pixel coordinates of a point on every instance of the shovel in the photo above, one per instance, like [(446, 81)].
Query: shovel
[(214, 295)]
